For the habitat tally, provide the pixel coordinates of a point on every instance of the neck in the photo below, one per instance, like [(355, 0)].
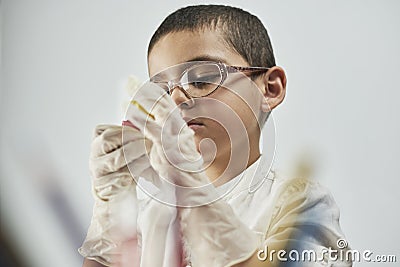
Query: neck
[(228, 164)]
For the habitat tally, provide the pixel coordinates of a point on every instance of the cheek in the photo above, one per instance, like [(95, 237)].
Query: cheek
[(223, 122), (222, 113), (243, 94), (243, 106)]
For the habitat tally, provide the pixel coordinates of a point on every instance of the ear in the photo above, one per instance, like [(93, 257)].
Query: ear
[(273, 88)]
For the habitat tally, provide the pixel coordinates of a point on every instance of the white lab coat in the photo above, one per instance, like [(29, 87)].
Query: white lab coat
[(285, 213)]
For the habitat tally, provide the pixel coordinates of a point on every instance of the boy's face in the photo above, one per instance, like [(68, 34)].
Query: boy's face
[(227, 115)]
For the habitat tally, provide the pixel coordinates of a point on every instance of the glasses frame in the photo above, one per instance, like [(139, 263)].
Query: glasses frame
[(224, 70)]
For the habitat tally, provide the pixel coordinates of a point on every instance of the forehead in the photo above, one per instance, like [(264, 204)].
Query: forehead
[(184, 46)]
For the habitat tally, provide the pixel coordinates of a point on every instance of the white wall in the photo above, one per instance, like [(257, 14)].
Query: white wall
[(64, 64)]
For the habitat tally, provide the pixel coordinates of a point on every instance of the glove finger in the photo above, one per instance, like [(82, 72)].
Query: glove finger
[(112, 138), (99, 129), (164, 106), (107, 139), (148, 94), (143, 103), (109, 185), (151, 99), (145, 124), (119, 158), (152, 176), (141, 168), (168, 117), (137, 166)]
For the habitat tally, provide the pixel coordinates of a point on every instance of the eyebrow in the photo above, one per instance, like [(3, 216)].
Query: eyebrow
[(160, 76), (207, 58)]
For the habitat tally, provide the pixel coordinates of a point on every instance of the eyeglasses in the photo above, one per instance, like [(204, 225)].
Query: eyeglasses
[(202, 78)]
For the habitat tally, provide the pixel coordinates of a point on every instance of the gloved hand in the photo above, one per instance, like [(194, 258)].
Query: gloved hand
[(212, 233), (115, 209)]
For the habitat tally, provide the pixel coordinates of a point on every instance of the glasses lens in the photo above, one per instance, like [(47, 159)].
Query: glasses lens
[(163, 85), (201, 80)]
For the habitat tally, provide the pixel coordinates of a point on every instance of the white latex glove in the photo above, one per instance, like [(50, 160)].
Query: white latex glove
[(212, 233), (115, 209)]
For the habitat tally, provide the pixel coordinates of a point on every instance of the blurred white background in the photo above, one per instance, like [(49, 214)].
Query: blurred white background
[(63, 69)]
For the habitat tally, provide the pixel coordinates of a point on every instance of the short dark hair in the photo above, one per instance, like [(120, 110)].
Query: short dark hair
[(242, 31)]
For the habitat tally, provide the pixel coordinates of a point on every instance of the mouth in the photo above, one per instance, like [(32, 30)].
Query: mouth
[(194, 124)]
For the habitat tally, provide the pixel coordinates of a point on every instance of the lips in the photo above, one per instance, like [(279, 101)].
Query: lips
[(194, 124)]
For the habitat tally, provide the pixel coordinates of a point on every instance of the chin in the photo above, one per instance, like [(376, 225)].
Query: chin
[(207, 148)]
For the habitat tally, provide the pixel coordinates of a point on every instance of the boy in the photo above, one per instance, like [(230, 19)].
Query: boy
[(217, 67)]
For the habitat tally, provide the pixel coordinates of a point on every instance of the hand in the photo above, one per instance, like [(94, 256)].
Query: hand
[(115, 151), (155, 114)]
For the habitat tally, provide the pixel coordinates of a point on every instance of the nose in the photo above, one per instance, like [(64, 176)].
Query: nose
[(181, 98)]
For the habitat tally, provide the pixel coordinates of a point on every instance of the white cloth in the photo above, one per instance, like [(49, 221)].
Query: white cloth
[(157, 229), (284, 213), (287, 213)]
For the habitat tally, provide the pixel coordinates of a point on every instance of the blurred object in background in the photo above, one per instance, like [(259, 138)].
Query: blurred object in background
[(36, 162), (36, 212), (131, 85), (8, 256), (305, 165)]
